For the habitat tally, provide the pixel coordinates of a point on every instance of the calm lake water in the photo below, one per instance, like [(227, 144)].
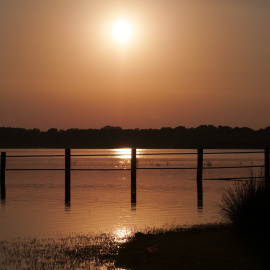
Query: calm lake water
[(101, 200)]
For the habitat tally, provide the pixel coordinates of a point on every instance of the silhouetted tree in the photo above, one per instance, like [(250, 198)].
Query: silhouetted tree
[(206, 136)]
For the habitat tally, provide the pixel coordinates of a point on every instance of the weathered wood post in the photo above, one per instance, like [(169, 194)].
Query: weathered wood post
[(67, 176), (199, 178), (266, 168), (133, 176), (3, 175)]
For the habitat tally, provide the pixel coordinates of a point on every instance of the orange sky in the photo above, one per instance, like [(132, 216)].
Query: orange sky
[(188, 63)]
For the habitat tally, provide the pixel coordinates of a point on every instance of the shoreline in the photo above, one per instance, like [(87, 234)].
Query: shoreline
[(210, 246)]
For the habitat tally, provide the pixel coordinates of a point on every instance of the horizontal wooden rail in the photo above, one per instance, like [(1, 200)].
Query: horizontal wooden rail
[(233, 152), (138, 154), (128, 169), (234, 167), (30, 156), (137, 168), (231, 178)]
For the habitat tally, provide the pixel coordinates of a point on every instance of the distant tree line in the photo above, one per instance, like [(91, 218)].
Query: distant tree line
[(204, 136)]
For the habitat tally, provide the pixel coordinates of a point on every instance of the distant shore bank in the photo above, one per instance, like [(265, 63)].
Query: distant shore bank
[(205, 136)]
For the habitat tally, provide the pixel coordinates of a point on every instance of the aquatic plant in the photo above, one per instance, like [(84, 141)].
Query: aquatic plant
[(247, 205)]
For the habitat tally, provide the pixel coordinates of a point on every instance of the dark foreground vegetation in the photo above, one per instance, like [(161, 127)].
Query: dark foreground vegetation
[(201, 247), (116, 137), (247, 206)]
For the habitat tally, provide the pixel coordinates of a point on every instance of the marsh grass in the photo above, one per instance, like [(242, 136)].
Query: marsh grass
[(247, 205), (74, 251)]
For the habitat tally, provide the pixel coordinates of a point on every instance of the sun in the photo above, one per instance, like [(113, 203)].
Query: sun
[(122, 30)]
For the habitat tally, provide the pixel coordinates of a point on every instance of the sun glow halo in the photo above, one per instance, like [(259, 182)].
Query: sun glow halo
[(122, 30)]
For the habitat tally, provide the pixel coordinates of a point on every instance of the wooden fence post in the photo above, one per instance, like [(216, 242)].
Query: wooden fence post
[(3, 175), (67, 176), (266, 167), (199, 178), (133, 176)]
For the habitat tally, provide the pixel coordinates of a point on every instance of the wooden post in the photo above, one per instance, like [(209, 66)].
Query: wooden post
[(266, 167), (67, 176), (3, 175), (133, 176), (199, 178)]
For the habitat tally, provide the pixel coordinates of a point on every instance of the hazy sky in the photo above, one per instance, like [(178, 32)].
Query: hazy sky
[(187, 63)]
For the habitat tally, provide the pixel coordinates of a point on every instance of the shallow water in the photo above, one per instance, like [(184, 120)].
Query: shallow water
[(101, 200)]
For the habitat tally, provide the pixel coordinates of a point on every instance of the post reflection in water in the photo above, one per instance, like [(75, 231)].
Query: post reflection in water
[(133, 195), (67, 197), (3, 201), (3, 194), (133, 198), (67, 206), (200, 206), (133, 206)]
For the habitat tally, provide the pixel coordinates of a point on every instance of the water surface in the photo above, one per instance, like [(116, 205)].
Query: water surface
[(101, 200)]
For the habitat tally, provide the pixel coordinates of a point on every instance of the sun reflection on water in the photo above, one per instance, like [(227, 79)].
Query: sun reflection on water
[(124, 153), (122, 234)]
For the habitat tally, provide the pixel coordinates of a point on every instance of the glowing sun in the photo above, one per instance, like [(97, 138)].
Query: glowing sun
[(122, 30)]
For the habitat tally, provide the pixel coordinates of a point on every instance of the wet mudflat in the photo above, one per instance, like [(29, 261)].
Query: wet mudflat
[(201, 247), (59, 252)]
